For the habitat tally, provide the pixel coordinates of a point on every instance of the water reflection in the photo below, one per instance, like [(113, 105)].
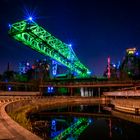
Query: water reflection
[(82, 122)]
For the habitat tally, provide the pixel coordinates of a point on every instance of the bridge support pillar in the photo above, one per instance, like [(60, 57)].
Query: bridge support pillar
[(71, 91), (82, 91), (99, 108), (16, 87), (99, 92), (26, 88), (89, 92), (92, 92), (86, 91), (41, 90)]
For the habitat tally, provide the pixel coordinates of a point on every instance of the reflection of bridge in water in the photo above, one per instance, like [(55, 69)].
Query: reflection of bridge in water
[(82, 124), (77, 127), (74, 127), (74, 130)]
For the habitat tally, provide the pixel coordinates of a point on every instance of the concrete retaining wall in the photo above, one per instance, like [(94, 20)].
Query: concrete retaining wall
[(21, 133), (127, 105), (132, 93), (19, 93), (40, 104)]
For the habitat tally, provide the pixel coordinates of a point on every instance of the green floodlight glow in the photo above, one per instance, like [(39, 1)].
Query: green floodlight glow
[(75, 129), (31, 34), (129, 72)]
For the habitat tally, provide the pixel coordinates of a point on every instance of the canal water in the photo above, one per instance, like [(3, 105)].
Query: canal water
[(83, 122)]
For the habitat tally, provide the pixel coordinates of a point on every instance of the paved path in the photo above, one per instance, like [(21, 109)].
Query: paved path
[(10, 130)]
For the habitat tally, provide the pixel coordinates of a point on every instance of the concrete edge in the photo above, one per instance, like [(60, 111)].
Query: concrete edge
[(18, 128)]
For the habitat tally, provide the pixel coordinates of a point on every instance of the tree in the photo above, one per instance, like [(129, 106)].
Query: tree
[(8, 76)]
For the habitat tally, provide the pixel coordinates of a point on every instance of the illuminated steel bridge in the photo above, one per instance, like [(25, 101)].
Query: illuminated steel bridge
[(36, 37)]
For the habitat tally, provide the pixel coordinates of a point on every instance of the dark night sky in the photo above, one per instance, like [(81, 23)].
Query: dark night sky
[(96, 28)]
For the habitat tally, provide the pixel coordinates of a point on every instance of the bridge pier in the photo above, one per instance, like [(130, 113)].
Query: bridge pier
[(86, 92), (81, 91), (89, 92), (71, 91), (99, 108), (99, 92)]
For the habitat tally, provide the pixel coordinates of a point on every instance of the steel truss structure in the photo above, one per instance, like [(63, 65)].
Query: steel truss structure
[(31, 34)]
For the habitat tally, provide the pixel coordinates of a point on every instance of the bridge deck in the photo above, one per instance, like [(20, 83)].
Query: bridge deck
[(87, 84)]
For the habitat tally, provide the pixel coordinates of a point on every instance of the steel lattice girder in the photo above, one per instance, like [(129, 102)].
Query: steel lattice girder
[(34, 36)]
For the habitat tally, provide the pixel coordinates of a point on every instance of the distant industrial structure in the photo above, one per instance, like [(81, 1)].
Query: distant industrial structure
[(131, 63), (23, 67), (129, 68)]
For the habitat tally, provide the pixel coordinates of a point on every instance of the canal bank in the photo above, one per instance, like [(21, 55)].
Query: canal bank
[(127, 105), (10, 129), (19, 110)]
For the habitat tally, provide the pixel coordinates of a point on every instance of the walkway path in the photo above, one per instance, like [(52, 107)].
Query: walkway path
[(10, 130)]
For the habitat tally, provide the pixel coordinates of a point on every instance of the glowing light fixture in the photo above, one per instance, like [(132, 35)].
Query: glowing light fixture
[(50, 89), (114, 65), (137, 53), (9, 88), (30, 18), (88, 72), (9, 25), (27, 64), (70, 45), (129, 72)]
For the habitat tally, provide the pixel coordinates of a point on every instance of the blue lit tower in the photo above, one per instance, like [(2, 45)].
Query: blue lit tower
[(23, 67)]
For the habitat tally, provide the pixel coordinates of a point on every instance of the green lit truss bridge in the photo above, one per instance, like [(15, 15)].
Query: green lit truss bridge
[(36, 37)]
